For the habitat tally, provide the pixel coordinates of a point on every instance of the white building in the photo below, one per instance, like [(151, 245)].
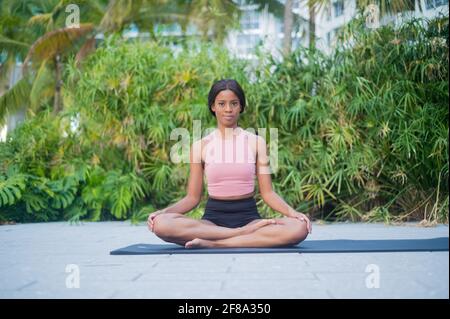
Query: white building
[(264, 27)]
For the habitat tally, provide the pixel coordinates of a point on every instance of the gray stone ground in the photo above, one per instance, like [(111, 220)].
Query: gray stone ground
[(34, 259)]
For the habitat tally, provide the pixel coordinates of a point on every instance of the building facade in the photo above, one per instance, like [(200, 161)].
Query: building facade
[(262, 27)]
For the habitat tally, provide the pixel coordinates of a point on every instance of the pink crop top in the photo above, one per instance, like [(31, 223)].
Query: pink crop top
[(230, 163)]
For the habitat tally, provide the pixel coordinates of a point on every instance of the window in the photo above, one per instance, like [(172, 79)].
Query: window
[(431, 4), (250, 20), (338, 7)]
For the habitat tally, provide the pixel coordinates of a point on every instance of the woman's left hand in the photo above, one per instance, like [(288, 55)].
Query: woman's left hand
[(302, 217)]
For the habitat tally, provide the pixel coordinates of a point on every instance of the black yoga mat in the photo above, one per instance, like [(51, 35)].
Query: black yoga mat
[(308, 246)]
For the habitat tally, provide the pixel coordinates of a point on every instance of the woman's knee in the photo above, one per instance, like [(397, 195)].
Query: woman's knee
[(163, 225), (299, 230)]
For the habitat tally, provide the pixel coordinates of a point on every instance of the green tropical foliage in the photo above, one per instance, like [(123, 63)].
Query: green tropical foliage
[(365, 130), (36, 33), (362, 133)]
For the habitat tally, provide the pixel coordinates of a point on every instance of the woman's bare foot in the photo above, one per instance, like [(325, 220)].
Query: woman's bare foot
[(199, 243), (250, 228)]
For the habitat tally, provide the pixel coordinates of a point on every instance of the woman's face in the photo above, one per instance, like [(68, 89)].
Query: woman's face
[(227, 108)]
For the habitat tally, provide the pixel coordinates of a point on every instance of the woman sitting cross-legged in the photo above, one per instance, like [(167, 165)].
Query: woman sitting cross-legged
[(230, 157)]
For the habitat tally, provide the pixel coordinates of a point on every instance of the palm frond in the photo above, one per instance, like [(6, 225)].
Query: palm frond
[(56, 42), (14, 99), (118, 13), (12, 45), (87, 48), (43, 19), (43, 86)]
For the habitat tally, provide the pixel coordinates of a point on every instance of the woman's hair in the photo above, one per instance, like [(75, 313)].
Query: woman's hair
[(222, 85)]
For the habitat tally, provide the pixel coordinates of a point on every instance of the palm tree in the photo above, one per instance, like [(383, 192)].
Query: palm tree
[(30, 33), (43, 39), (214, 18), (288, 21), (314, 6), (51, 47), (282, 9), (387, 7), (15, 39)]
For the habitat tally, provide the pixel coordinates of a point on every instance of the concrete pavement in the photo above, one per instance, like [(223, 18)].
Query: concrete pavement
[(58, 260)]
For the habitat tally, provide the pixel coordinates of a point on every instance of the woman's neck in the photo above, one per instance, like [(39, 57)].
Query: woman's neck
[(224, 130)]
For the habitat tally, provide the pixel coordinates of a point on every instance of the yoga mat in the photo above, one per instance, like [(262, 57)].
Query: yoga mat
[(308, 246)]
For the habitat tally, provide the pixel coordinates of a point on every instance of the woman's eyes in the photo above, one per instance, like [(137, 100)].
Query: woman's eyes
[(234, 104)]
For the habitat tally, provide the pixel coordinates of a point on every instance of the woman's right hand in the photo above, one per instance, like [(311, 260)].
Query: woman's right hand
[(151, 217)]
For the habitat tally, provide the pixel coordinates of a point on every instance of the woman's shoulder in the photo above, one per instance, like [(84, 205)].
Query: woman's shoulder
[(249, 132), (204, 140), (199, 146), (252, 136)]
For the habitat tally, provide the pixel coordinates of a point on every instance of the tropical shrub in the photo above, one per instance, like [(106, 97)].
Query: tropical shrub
[(362, 132)]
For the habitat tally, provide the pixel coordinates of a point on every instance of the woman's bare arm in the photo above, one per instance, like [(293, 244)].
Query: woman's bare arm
[(269, 196), (265, 186), (195, 184)]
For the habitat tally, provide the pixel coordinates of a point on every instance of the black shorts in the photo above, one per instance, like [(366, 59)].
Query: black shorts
[(231, 213)]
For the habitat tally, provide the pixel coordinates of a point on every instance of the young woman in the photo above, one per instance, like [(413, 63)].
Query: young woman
[(231, 218)]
